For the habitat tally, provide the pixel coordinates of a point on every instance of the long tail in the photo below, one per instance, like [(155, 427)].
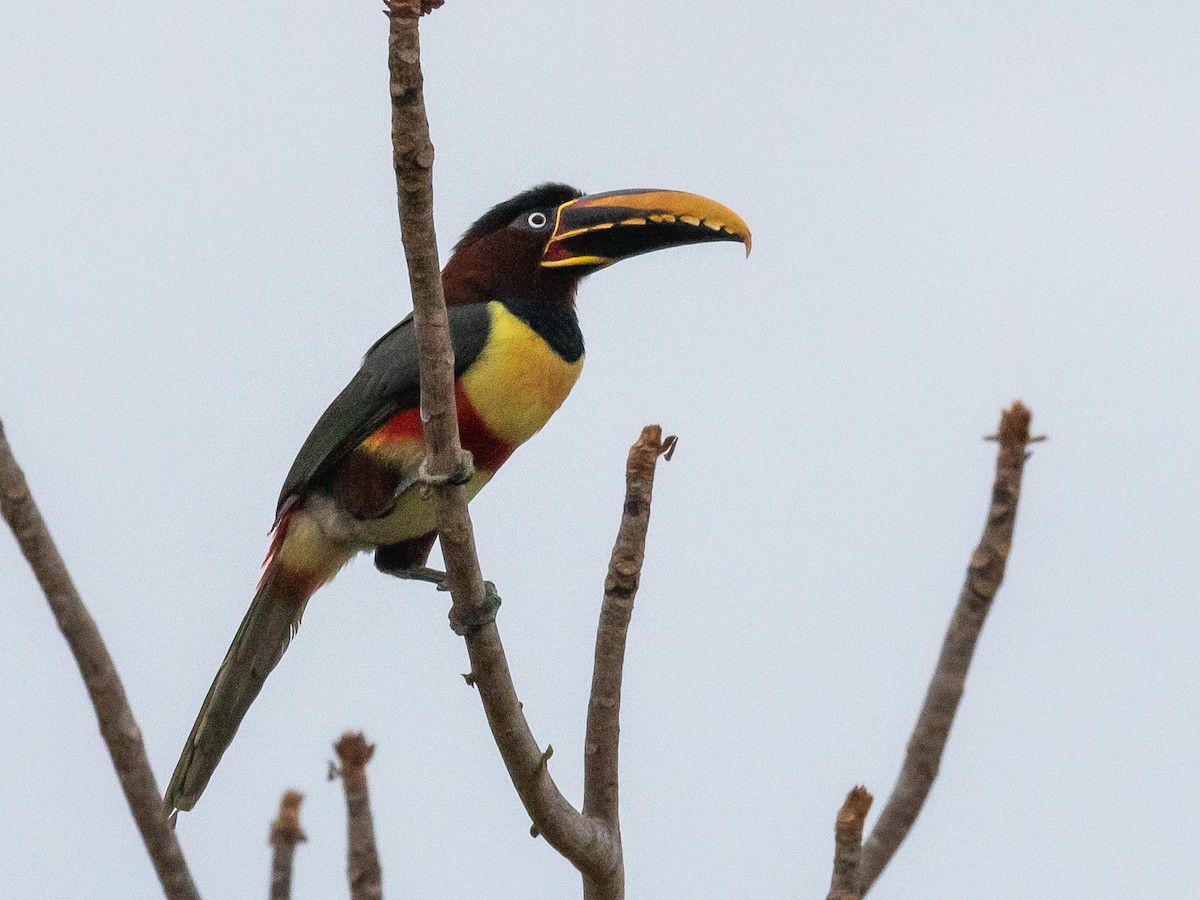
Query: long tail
[(259, 644)]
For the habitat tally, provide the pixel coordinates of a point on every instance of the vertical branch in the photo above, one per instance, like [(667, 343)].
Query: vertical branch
[(362, 866), (848, 845), (412, 157), (586, 842), (473, 610), (286, 833), (602, 741), (984, 574), (117, 724)]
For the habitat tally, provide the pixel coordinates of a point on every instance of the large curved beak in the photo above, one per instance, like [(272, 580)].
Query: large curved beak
[(600, 229)]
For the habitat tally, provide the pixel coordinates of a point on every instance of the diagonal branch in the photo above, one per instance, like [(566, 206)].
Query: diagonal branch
[(362, 866), (286, 834), (846, 884), (117, 724), (585, 842), (984, 575)]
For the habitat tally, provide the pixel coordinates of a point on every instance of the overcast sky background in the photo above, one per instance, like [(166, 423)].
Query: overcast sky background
[(952, 208)]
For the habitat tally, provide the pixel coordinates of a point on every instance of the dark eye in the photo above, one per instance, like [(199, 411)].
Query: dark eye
[(537, 220)]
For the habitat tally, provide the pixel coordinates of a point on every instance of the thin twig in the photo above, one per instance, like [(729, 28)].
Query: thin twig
[(602, 741), (984, 575), (845, 884), (584, 841), (362, 866), (286, 833), (117, 724)]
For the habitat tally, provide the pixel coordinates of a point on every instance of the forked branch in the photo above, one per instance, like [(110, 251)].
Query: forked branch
[(590, 841), (583, 841)]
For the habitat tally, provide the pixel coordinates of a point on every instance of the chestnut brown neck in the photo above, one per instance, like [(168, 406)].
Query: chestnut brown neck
[(506, 265)]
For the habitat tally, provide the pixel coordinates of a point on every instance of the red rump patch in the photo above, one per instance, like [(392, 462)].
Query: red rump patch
[(280, 530), (288, 581), (277, 538)]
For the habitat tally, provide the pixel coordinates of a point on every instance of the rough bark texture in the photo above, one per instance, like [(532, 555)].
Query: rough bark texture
[(845, 884), (362, 863), (984, 574), (553, 816), (286, 833), (586, 842), (602, 741), (412, 156), (117, 725)]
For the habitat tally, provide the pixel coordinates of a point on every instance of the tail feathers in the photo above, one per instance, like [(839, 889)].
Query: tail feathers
[(261, 640)]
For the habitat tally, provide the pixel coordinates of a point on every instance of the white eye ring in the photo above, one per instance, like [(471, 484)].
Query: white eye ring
[(537, 220)]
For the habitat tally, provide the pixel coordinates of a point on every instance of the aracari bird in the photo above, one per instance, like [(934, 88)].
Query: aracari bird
[(510, 292)]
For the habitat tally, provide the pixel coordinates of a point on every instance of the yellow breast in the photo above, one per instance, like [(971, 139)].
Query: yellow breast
[(518, 381)]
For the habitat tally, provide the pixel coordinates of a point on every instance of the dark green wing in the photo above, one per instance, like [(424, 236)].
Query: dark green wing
[(386, 383)]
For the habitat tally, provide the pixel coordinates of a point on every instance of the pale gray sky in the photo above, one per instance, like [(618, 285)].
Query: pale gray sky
[(951, 207)]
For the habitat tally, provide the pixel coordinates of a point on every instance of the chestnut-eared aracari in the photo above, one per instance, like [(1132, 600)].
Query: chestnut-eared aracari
[(510, 294)]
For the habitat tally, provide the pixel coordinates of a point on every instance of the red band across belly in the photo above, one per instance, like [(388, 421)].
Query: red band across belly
[(488, 450)]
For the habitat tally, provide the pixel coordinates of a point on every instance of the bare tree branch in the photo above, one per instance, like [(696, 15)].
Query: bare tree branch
[(587, 843), (286, 833), (412, 157), (984, 575), (117, 724), (845, 884), (362, 867), (580, 840), (602, 741)]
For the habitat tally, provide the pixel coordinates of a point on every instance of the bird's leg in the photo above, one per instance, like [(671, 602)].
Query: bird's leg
[(422, 573), (460, 476), (406, 559), (486, 612)]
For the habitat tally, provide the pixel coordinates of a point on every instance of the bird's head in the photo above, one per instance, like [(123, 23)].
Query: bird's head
[(541, 242)]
